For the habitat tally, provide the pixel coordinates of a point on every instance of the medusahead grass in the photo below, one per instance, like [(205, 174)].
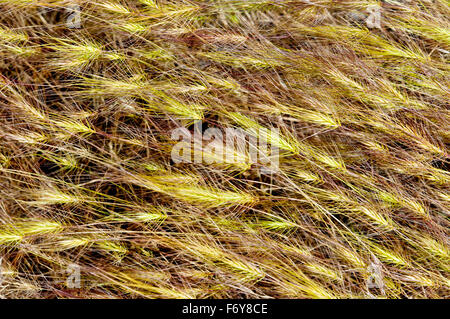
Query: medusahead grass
[(357, 207)]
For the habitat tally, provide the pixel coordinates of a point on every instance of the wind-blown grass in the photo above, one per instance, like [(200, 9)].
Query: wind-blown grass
[(87, 178)]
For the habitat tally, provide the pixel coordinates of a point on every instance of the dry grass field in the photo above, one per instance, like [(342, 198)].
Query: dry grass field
[(93, 92)]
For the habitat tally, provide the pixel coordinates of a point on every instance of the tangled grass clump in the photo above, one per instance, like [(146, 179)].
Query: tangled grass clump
[(87, 175)]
